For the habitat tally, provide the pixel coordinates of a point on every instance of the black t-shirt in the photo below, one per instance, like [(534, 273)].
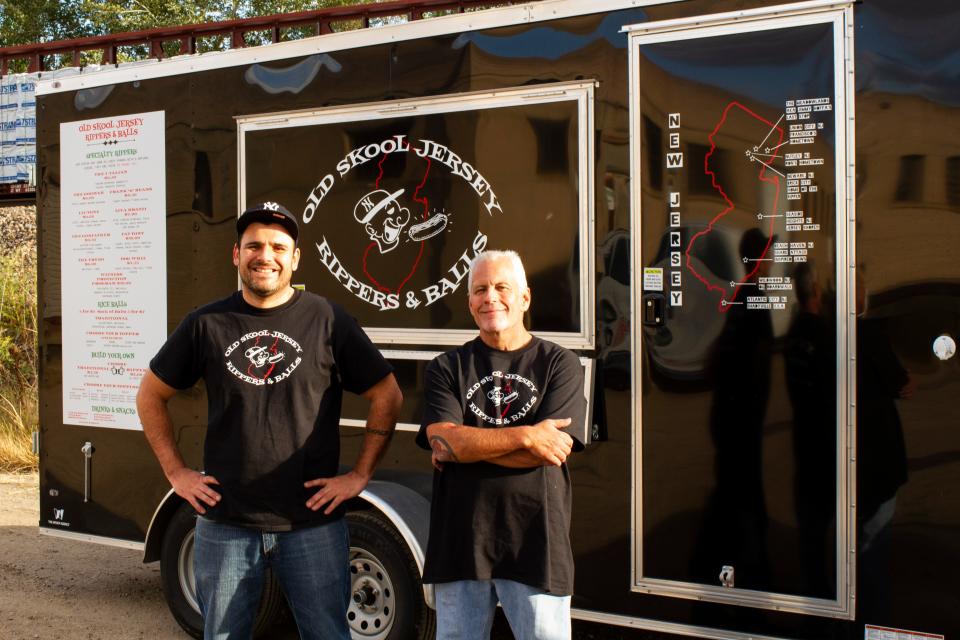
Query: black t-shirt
[(488, 521), (274, 381)]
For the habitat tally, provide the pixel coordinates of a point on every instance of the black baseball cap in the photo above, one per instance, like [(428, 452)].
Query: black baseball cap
[(268, 213)]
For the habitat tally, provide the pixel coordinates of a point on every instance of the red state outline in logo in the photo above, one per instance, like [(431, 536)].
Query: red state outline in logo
[(426, 210)]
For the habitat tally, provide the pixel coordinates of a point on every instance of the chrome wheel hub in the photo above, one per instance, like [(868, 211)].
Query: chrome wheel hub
[(371, 611)]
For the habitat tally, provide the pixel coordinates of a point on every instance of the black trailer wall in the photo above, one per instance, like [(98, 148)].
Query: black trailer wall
[(908, 225)]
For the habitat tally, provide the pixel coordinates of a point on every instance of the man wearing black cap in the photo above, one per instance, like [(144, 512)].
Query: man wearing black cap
[(275, 362), (502, 414)]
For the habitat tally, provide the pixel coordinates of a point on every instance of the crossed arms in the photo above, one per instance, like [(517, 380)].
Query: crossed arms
[(518, 447)]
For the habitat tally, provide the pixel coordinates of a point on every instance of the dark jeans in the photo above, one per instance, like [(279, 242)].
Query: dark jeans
[(310, 564)]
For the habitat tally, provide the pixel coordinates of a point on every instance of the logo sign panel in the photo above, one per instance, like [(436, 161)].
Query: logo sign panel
[(396, 218), (394, 207)]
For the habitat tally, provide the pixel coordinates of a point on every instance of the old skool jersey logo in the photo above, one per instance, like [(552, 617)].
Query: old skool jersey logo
[(405, 245), (263, 357), (502, 399)]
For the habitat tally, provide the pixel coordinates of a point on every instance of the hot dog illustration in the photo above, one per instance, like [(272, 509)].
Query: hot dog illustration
[(428, 228)]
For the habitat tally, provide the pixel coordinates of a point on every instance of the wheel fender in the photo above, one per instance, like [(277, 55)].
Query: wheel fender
[(409, 512), (406, 510), (158, 524)]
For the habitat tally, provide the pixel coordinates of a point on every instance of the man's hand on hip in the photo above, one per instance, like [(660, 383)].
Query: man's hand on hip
[(194, 487), (548, 442), (335, 490)]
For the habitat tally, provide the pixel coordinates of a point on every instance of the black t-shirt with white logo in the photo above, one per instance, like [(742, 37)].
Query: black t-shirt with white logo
[(274, 380), (489, 521)]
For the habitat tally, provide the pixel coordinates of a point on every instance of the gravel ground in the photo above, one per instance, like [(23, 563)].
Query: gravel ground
[(19, 224), (52, 588), (59, 589)]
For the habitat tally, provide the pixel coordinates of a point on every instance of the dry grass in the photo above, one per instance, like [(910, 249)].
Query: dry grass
[(17, 423), (18, 360)]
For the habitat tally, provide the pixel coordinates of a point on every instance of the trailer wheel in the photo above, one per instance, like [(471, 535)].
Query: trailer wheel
[(386, 600), (179, 585)]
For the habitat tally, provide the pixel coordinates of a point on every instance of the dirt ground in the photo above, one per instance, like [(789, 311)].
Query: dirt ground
[(56, 589)]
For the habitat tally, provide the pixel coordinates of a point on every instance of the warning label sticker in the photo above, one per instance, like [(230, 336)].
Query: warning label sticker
[(872, 632), (652, 279)]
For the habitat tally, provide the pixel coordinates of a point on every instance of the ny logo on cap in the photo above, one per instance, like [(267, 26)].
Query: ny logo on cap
[(273, 206)]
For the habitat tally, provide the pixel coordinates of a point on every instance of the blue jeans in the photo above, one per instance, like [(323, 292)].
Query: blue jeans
[(311, 565), (465, 610)]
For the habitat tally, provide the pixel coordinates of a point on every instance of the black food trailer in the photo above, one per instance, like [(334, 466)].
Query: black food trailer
[(741, 215)]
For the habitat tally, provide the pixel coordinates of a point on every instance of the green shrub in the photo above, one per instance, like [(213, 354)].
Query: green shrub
[(18, 359)]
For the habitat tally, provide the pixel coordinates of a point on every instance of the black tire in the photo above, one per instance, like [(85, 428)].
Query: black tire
[(386, 593), (179, 588)]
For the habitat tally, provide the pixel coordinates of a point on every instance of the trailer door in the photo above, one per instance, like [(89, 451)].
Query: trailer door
[(744, 304)]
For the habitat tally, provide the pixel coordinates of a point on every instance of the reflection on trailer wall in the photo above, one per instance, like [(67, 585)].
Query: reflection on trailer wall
[(908, 212)]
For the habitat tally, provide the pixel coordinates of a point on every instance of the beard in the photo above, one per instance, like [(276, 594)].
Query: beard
[(261, 287)]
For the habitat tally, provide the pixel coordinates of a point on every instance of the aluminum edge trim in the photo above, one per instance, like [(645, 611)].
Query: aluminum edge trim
[(156, 512), (701, 21), (636, 377), (666, 627), (86, 537), (437, 26), (851, 365)]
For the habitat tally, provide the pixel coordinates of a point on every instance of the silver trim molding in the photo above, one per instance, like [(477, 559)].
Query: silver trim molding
[(697, 23), (86, 537), (533, 12), (156, 512), (648, 624)]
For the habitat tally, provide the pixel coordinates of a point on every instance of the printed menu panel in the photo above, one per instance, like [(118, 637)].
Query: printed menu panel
[(113, 263)]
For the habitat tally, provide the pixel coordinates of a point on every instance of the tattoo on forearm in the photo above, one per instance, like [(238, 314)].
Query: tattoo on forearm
[(442, 450), (383, 433)]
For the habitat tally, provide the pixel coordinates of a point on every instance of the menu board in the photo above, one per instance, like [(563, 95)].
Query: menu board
[(113, 263)]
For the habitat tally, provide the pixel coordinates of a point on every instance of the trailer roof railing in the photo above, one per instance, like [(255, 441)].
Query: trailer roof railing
[(321, 21), (166, 42)]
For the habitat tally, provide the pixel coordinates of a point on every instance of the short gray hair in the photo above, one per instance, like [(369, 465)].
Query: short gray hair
[(516, 266)]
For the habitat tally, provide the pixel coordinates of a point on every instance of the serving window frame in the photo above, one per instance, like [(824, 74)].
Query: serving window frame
[(580, 92)]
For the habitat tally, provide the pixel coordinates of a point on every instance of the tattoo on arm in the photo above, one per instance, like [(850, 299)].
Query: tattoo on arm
[(443, 450), (383, 433)]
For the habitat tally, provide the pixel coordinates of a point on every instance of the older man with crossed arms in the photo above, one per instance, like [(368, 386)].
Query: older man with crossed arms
[(501, 416)]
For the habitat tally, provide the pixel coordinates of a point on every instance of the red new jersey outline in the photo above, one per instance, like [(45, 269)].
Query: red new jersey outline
[(774, 180), (426, 210)]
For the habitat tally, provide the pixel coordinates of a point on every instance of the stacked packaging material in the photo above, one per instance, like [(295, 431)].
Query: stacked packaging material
[(9, 103), (18, 129)]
